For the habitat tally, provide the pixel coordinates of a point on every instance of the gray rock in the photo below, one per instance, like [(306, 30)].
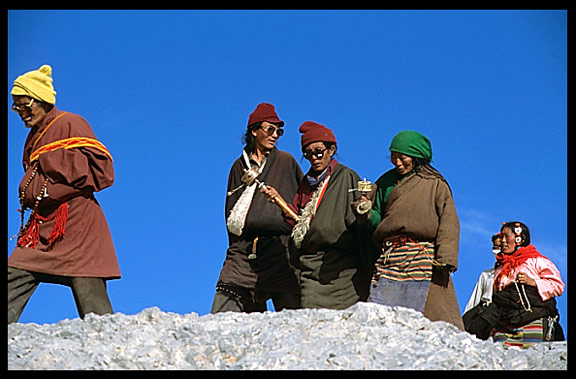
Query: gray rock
[(365, 336)]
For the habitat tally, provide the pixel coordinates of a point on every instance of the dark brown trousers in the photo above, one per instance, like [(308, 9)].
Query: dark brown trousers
[(90, 294)]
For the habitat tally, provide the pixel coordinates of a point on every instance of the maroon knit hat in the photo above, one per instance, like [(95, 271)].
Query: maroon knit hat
[(314, 132), (264, 112)]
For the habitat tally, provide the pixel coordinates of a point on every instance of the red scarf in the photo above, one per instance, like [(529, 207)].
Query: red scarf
[(509, 262)]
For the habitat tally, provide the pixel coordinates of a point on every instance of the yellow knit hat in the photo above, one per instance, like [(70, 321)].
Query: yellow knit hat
[(36, 84)]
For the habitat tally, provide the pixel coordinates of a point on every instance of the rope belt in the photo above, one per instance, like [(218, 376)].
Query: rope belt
[(396, 241), (403, 258)]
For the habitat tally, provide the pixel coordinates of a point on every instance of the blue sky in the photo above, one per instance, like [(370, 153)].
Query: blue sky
[(169, 94)]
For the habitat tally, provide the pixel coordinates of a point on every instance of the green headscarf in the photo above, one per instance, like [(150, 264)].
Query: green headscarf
[(413, 144)]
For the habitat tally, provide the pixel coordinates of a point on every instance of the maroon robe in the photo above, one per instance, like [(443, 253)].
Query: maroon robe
[(86, 248)]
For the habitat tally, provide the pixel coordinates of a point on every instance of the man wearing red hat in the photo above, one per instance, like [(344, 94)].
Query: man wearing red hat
[(334, 268), (257, 265)]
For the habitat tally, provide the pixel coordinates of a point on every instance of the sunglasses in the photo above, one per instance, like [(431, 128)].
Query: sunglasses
[(22, 107), (318, 153), (270, 129)]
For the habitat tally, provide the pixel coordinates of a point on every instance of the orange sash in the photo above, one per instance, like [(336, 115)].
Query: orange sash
[(66, 143), (69, 143)]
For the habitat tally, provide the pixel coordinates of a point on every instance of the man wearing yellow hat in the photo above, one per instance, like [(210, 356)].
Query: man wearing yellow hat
[(65, 239)]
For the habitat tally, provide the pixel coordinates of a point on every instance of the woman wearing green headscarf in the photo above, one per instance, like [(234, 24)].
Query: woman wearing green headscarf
[(417, 229)]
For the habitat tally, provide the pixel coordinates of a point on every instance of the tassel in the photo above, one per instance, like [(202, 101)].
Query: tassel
[(59, 224), (32, 235)]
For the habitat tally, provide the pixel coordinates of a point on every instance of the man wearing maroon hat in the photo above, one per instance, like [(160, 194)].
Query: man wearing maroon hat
[(335, 269), (257, 265)]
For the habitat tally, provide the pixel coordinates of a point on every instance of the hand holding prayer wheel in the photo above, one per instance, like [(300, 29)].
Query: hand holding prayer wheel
[(362, 205)]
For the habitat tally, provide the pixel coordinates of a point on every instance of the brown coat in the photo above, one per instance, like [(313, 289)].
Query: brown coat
[(86, 249), (421, 206), (271, 271)]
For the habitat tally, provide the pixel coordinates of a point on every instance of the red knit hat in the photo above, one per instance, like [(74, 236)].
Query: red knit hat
[(314, 132), (264, 112)]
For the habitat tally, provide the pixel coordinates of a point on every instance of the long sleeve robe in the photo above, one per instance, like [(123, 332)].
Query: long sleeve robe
[(332, 263), (421, 206), (271, 271), (74, 174)]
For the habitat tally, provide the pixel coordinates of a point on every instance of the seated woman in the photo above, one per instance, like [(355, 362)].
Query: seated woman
[(526, 283), (333, 273)]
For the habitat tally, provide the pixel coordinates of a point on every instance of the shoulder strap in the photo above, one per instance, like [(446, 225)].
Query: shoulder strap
[(46, 129)]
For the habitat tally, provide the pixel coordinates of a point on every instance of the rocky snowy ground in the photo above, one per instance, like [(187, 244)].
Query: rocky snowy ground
[(363, 337)]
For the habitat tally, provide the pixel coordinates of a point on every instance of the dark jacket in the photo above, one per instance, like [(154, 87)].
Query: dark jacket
[(271, 271), (333, 271)]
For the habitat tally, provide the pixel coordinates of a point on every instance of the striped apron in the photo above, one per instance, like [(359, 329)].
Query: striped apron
[(402, 274)]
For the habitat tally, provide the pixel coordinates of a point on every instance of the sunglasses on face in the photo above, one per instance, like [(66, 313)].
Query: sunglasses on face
[(22, 107), (318, 153), (270, 129)]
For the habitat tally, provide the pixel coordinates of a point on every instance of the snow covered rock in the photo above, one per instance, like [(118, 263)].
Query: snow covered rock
[(365, 336)]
